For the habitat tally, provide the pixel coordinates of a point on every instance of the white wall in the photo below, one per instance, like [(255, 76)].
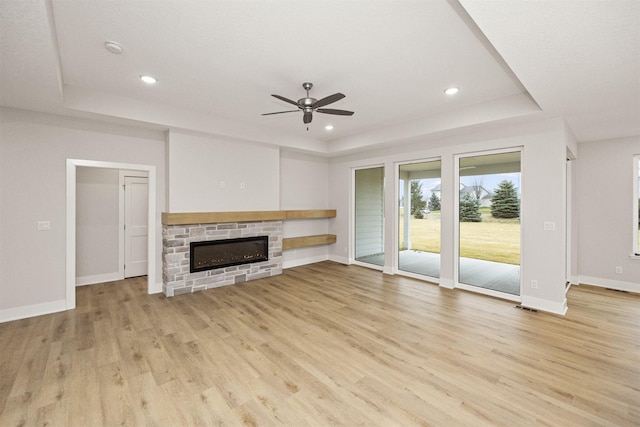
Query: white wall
[(544, 195), (605, 212), (304, 185), (272, 180), (208, 174), (97, 225), (33, 157)]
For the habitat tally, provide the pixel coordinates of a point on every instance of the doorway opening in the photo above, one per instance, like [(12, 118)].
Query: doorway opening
[(489, 230), (71, 192), (419, 189), (111, 224)]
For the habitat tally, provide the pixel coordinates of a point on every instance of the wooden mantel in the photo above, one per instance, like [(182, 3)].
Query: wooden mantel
[(251, 216), (244, 216)]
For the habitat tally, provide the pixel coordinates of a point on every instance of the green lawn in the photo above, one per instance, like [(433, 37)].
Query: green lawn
[(491, 240)]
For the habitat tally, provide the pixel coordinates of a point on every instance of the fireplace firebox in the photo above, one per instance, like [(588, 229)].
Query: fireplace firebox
[(213, 254)]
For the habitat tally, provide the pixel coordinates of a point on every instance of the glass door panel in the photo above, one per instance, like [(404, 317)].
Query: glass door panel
[(489, 222), (419, 218), (369, 215)]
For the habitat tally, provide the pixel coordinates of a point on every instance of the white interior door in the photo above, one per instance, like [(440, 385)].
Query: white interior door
[(136, 226)]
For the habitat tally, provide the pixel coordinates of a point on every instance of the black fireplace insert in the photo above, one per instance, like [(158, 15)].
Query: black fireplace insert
[(212, 254)]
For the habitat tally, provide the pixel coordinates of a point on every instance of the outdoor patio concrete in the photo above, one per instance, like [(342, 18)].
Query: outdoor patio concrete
[(496, 276)]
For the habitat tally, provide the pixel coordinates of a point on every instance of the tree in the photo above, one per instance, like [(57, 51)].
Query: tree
[(417, 202), (434, 202), (469, 209), (478, 187), (505, 203)]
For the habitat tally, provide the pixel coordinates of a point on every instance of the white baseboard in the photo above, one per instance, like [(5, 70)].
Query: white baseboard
[(340, 259), (611, 284), (98, 278), (17, 313), (545, 305), (304, 261)]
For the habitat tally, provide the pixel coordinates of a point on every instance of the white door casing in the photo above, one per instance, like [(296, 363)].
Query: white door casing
[(135, 226)]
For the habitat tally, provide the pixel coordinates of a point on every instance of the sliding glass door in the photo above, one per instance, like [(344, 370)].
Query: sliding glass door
[(419, 218), (369, 215), (489, 221)]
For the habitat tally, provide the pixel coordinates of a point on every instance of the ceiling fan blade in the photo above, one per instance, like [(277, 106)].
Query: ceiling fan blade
[(307, 118), (333, 111), (282, 98), (280, 112), (328, 100)]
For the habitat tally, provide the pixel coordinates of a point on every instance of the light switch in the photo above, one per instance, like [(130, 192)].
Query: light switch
[(44, 226), (549, 226)]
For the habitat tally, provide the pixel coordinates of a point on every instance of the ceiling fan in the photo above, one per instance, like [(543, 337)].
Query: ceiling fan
[(308, 105)]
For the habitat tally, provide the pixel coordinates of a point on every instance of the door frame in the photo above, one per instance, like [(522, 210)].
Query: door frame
[(72, 164), (456, 218), (396, 236)]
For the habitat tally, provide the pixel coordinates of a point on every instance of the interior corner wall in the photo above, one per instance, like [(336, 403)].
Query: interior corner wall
[(210, 174), (605, 213), (97, 225), (304, 184), (33, 157)]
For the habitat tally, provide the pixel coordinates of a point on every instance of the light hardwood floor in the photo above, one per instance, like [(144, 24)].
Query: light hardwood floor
[(324, 344)]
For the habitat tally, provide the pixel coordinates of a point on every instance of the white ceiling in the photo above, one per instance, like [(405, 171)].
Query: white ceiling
[(218, 62)]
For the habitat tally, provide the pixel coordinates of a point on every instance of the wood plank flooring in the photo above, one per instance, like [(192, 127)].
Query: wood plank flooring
[(320, 345)]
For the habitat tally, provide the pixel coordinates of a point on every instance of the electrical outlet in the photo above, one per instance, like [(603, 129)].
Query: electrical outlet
[(618, 270), (534, 284)]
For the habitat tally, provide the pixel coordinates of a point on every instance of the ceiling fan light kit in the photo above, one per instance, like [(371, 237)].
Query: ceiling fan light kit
[(309, 105)]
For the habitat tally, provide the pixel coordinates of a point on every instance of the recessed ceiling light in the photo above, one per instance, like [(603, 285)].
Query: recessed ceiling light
[(452, 90), (329, 127), (148, 79), (113, 47)]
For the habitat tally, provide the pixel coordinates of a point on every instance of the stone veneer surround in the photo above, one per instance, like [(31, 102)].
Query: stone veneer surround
[(176, 278)]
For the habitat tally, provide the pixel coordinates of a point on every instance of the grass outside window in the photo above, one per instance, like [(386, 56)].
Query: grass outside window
[(492, 239)]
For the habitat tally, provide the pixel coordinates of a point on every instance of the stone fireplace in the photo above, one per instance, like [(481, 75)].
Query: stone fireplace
[(180, 277), (183, 231)]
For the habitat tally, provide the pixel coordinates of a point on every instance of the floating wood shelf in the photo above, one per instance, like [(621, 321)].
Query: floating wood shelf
[(254, 216), (311, 213), (246, 216), (303, 241)]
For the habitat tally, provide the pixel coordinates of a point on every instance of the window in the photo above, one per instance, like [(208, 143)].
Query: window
[(369, 216), (489, 222), (419, 218), (636, 205)]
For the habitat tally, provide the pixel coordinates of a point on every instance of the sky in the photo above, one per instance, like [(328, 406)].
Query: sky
[(489, 182)]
